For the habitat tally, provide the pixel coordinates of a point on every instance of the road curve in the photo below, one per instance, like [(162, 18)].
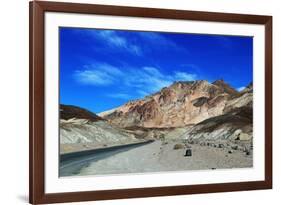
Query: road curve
[(72, 163)]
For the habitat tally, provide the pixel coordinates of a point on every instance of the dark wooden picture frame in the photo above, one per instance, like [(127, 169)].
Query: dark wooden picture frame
[(37, 193)]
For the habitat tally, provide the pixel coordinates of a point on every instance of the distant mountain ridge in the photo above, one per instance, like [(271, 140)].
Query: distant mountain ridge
[(183, 103), (193, 110)]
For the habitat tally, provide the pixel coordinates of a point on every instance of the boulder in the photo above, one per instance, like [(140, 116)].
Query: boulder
[(235, 134), (244, 136), (220, 146), (202, 144), (191, 142), (234, 147), (178, 146), (188, 153)]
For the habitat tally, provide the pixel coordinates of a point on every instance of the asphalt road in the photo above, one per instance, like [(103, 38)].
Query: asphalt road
[(71, 164)]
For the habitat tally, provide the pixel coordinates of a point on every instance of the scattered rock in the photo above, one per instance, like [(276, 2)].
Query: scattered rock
[(221, 146), (247, 151), (234, 147), (230, 152), (202, 144), (178, 146), (188, 153), (244, 136), (191, 142), (236, 134)]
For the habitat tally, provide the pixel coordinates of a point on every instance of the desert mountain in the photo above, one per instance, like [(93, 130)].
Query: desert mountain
[(79, 126), (233, 125), (183, 103), (69, 111), (187, 110), (235, 122)]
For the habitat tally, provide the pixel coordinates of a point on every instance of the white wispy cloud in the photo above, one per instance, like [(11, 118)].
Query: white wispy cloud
[(135, 43), (240, 89), (119, 95), (153, 71), (135, 81), (100, 74), (160, 41), (114, 39), (184, 76)]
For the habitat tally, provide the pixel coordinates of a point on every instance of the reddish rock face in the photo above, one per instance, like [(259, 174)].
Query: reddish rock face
[(180, 104), (166, 96)]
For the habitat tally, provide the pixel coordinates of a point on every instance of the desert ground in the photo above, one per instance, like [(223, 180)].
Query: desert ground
[(166, 156)]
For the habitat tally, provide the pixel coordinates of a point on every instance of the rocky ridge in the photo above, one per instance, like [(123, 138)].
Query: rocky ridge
[(181, 104)]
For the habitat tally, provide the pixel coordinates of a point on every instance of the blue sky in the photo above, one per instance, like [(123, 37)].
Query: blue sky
[(103, 69)]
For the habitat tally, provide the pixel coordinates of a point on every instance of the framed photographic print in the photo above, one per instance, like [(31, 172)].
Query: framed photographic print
[(139, 102)]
